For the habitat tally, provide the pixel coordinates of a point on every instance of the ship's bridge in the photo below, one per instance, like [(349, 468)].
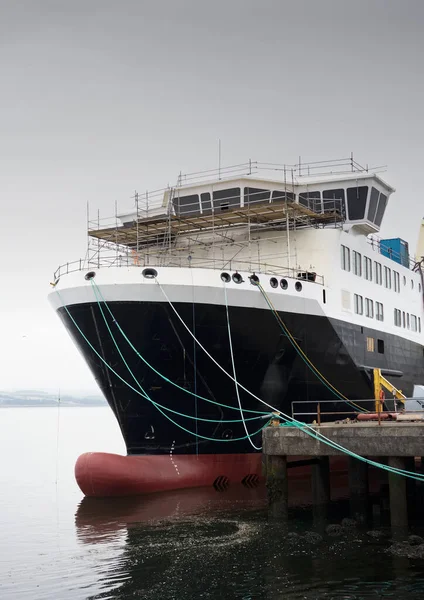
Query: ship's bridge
[(214, 217)]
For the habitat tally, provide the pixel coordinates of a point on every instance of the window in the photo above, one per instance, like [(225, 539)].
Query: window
[(279, 195), (311, 200), (419, 324), (407, 321), (186, 205), (324, 299), (356, 201), (369, 308), (206, 203), (333, 200), (378, 273), (414, 323), (404, 319), (412, 284), (359, 304), (380, 346), (380, 210), (396, 281), (357, 263), (370, 344), (345, 258), (379, 313), (225, 199), (398, 318), (253, 195), (387, 278), (368, 268), (373, 204), (404, 280)]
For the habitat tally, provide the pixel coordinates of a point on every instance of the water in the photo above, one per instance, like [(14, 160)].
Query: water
[(181, 545)]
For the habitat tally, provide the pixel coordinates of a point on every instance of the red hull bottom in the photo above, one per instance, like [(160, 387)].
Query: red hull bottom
[(102, 474)]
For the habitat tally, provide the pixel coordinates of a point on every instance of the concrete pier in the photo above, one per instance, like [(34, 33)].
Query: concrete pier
[(394, 442), (358, 489)]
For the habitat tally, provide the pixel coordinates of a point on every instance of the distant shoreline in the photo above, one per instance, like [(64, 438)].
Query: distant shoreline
[(37, 399), (104, 405)]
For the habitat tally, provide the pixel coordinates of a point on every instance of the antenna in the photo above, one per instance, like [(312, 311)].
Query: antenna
[(219, 159)]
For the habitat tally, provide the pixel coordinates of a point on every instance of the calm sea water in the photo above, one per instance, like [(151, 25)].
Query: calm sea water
[(181, 545)]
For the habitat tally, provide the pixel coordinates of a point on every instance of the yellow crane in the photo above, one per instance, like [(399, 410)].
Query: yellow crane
[(381, 382)]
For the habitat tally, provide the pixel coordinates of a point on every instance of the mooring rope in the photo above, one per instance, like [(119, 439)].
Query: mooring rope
[(156, 404), (302, 354), (234, 371), (309, 430), (161, 375), (303, 426)]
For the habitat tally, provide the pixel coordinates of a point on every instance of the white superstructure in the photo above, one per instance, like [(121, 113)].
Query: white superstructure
[(312, 241)]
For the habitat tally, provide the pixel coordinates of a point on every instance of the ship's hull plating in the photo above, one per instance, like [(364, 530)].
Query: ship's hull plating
[(265, 363)]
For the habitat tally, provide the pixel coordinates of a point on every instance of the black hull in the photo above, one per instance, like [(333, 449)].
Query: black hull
[(265, 363)]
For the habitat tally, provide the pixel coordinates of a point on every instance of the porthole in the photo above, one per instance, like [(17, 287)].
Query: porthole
[(89, 275), (237, 278), (225, 277), (149, 273), (298, 286), (254, 279), (284, 284), (227, 434), (273, 282)]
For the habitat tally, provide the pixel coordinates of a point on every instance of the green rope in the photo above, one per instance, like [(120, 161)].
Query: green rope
[(288, 421), (321, 438), (145, 395), (141, 357), (310, 366), (303, 426)]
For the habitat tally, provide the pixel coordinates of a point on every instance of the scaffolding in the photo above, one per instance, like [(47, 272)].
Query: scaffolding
[(253, 233)]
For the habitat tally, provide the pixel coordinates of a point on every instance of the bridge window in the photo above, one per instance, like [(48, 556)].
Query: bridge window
[(206, 203), (223, 200), (373, 204), (311, 200), (280, 195), (254, 195), (356, 201), (380, 210), (333, 200), (187, 205)]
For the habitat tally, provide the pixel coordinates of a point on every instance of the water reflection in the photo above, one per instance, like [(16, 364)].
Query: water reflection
[(205, 544)]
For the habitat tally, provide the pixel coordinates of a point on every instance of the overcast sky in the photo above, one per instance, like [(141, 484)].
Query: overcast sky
[(102, 97)]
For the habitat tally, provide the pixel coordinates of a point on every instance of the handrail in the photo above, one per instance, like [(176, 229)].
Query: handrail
[(132, 260)]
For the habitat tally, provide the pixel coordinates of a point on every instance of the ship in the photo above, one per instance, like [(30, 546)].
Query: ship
[(239, 292)]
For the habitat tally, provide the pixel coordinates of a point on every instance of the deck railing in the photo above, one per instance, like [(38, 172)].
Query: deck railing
[(104, 261)]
